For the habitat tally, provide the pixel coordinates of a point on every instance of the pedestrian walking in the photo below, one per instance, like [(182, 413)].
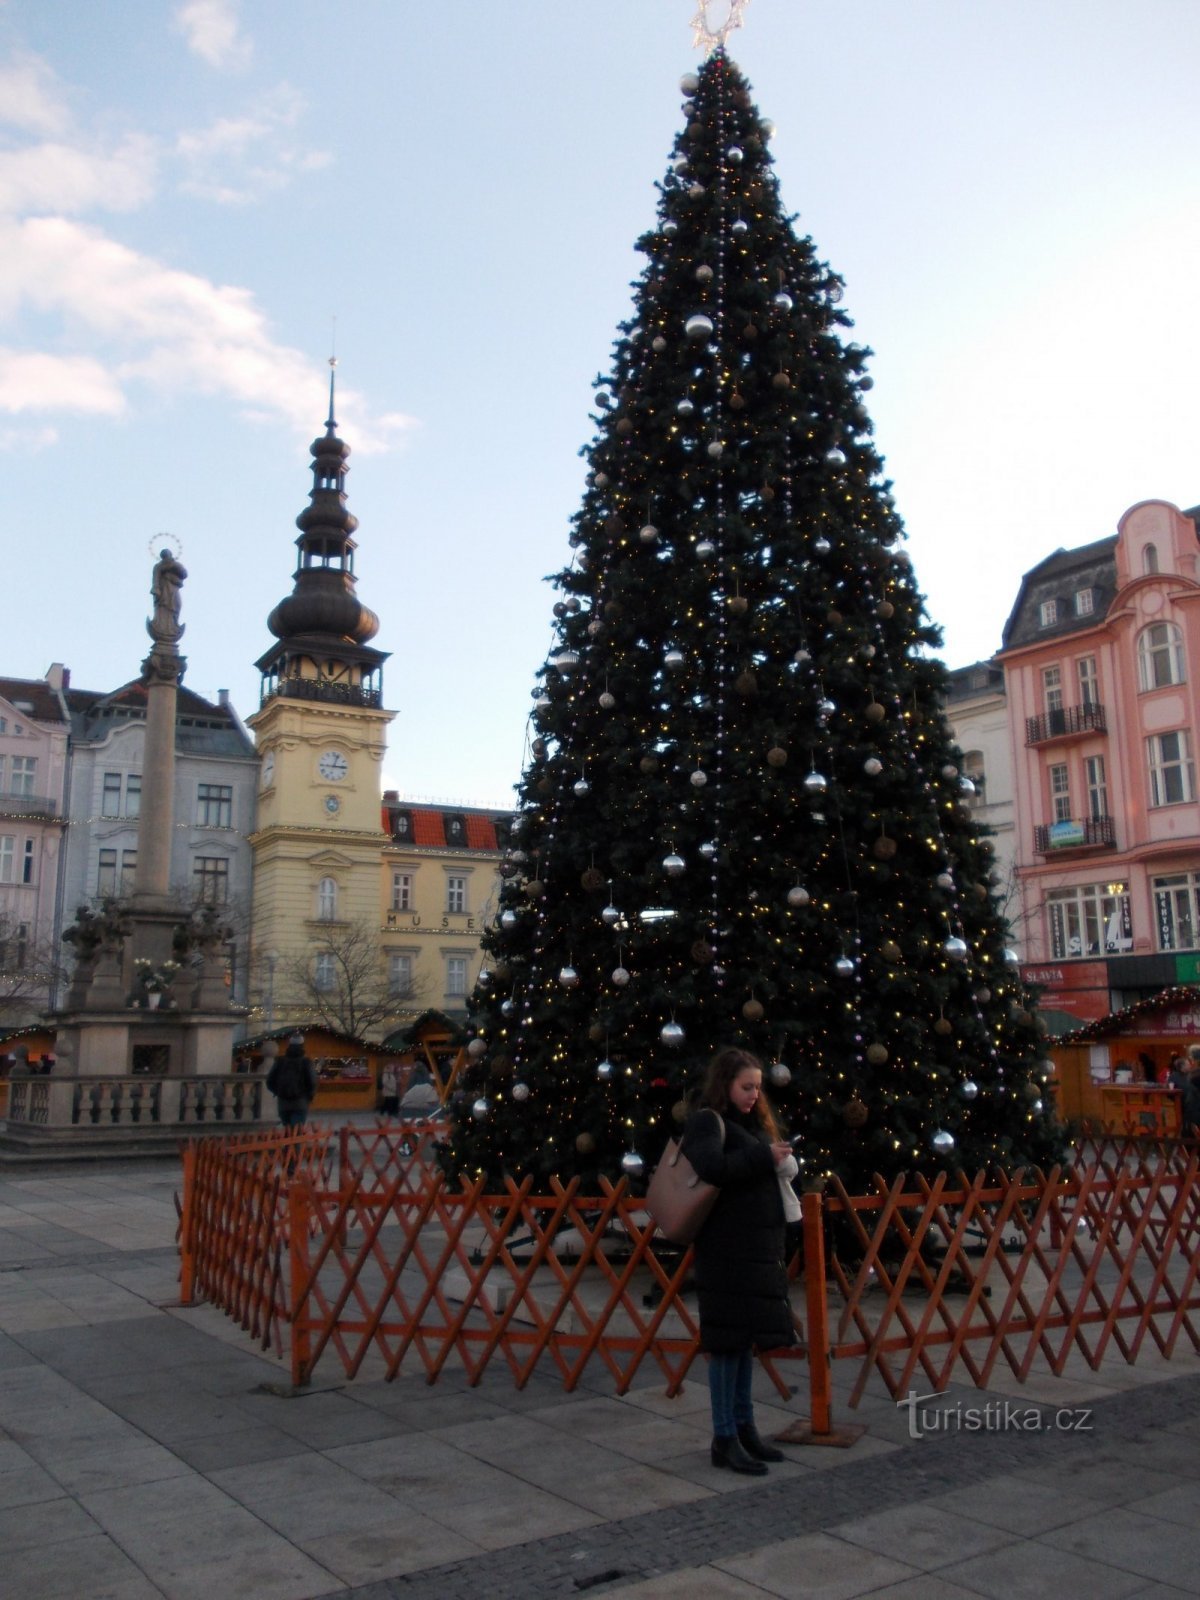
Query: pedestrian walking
[(389, 1090), (293, 1081), (733, 1141)]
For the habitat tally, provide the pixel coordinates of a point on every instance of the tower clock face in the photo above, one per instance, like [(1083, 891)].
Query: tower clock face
[(268, 769), (333, 766)]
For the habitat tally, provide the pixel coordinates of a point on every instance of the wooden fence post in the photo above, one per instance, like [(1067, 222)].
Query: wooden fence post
[(818, 1429), (187, 1226)]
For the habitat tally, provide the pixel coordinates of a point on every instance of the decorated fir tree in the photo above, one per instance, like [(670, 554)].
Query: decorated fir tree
[(743, 819)]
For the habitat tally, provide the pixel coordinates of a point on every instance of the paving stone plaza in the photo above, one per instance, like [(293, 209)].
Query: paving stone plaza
[(151, 1450)]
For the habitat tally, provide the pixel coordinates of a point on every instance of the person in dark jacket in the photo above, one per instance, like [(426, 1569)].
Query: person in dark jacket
[(293, 1081), (741, 1274), (1189, 1108)]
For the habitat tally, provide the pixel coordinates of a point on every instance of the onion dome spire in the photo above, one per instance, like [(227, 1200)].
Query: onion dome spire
[(323, 603)]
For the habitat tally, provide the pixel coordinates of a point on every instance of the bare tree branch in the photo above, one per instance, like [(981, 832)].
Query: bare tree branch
[(342, 983)]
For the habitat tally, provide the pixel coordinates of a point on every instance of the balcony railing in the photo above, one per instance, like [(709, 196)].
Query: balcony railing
[(27, 805), (1065, 722), (1078, 833), (332, 690)]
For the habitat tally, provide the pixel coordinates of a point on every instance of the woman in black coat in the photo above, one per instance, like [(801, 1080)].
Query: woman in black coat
[(741, 1274)]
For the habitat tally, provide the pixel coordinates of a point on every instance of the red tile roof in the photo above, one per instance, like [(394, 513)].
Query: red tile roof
[(481, 833), (429, 829)]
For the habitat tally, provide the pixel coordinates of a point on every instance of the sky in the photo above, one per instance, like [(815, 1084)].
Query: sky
[(200, 199)]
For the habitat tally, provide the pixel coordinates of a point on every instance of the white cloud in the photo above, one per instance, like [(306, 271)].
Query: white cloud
[(27, 439), (239, 159), (52, 177), (30, 96), (31, 380), (174, 330), (212, 31)]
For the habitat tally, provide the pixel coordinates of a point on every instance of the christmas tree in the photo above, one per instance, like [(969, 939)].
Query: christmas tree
[(742, 819)]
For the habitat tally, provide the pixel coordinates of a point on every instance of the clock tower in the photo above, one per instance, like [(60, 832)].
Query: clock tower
[(321, 734)]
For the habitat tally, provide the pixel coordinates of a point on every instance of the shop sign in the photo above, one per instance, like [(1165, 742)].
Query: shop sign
[(1080, 988), (1065, 835)]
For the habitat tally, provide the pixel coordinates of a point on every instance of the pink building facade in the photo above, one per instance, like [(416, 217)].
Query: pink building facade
[(1101, 659)]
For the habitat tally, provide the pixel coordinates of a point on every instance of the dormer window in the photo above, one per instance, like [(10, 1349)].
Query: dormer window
[(1048, 613), (1085, 602), (402, 826), (1150, 558), (456, 831)]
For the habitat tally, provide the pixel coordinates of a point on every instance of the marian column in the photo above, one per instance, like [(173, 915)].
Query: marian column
[(161, 672)]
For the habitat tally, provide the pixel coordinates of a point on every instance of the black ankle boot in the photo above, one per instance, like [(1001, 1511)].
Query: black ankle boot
[(754, 1446), (729, 1453)]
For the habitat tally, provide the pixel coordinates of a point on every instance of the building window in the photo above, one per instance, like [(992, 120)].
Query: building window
[(1176, 901), (24, 771), (210, 875), (1052, 689), (1089, 682), (106, 875), (1048, 613), (456, 976), (1160, 656), (327, 900), (1085, 602), (400, 973), (8, 846), (1060, 792), (133, 794), (110, 804), (456, 893), (1150, 558), (1090, 920), (214, 805), (128, 871), (27, 863), (14, 948), (402, 825), (1097, 787), (456, 831), (402, 891), (1172, 771), (324, 972), (973, 768)]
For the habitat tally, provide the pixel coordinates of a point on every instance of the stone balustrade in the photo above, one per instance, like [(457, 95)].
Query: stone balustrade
[(135, 1101)]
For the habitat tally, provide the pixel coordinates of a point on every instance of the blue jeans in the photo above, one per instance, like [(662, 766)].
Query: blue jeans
[(730, 1374)]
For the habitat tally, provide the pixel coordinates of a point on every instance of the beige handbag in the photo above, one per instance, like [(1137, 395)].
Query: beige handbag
[(678, 1201)]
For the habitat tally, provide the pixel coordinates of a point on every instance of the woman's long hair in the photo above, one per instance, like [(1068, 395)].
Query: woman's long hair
[(718, 1079)]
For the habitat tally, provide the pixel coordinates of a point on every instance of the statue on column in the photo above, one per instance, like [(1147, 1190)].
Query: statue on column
[(166, 584)]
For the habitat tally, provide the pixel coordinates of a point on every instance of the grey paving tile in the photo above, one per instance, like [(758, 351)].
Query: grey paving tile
[(44, 1522), (411, 1542), (922, 1535), (1016, 1505), (816, 1565), (1031, 1570), (691, 1583), (236, 1447), (1134, 1543), (95, 1568)]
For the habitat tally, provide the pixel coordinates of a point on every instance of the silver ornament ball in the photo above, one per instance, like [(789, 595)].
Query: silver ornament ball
[(872, 766), (476, 1048), (568, 978), (648, 534), (673, 865), (780, 1075), (620, 976), (698, 778), (480, 1110), (942, 1142), (844, 967), (520, 1091), (814, 783), (956, 949), (672, 1034), (968, 1089), (607, 701), (610, 916), (698, 326), (632, 1164), (605, 1071), (798, 895)]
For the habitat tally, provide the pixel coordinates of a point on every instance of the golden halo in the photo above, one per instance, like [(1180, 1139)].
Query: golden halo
[(172, 541), (709, 34)]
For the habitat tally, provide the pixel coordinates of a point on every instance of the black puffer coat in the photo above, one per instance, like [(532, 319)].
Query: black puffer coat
[(741, 1276)]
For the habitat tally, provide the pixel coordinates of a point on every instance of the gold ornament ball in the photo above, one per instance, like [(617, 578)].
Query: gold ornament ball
[(595, 1032), (943, 1027), (875, 712), (746, 683), (592, 879), (702, 953), (584, 1143), (781, 381), (890, 950), (737, 605), (777, 756), (534, 889), (854, 1113), (753, 1011), (766, 493), (885, 609), (648, 764), (737, 402), (624, 427), (500, 1066), (884, 848), (877, 1054), (679, 1111), (749, 333), (834, 618)]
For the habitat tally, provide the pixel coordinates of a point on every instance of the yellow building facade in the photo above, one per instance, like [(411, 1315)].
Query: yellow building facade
[(367, 911)]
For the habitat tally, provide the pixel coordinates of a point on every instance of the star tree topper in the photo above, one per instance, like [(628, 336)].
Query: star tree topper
[(714, 21)]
